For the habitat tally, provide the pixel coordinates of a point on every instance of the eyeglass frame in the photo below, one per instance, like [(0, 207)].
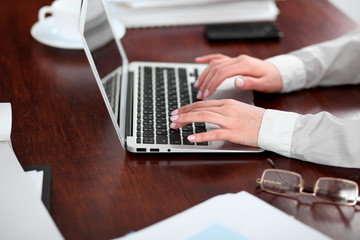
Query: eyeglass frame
[(302, 187)]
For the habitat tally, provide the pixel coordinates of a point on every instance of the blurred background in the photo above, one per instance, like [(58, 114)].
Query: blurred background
[(350, 7)]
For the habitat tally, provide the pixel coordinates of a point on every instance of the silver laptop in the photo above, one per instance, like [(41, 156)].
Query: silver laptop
[(141, 95)]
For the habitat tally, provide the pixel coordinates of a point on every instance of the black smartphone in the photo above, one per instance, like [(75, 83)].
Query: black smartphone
[(243, 31)]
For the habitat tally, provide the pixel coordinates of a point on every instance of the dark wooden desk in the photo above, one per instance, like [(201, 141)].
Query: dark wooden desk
[(100, 191)]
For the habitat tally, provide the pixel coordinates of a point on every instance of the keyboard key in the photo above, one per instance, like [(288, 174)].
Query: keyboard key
[(200, 124), (161, 132), (175, 139), (147, 140), (160, 120), (161, 126), (188, 128), (200, 130), (161, 139), (187, 142), (148, 134)]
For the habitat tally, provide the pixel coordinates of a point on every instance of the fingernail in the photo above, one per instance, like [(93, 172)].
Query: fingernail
[(196, 84), (206, 93), (198, 58), (199, 95), (175, 112), (191, 137), (239, 82), (174, 117), (172, 125)]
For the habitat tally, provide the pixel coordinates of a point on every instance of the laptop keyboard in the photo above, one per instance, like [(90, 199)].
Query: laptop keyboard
[(110, 89), (162, 90)]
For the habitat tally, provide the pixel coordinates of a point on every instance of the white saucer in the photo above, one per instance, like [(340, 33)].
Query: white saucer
[(46, 33)]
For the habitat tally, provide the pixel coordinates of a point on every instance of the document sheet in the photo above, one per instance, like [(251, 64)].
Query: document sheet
[(237, 216)]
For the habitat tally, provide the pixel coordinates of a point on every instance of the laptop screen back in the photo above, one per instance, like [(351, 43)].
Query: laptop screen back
[(100, 39), (107, 60)]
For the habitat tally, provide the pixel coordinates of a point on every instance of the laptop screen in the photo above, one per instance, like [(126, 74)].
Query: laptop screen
[(100, 39), (107, 60)]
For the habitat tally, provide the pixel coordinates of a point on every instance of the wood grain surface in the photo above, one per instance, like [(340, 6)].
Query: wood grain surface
[(99, 190)]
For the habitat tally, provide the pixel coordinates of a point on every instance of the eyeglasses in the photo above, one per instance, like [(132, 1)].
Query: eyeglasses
[(326, 189)]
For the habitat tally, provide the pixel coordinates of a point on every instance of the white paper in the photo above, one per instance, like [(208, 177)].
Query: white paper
[(5, 121), (225, 12), (232, 216), (36, 178), (23, 215)]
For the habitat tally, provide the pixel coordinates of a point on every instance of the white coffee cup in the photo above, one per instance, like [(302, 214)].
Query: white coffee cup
[(65, 17)]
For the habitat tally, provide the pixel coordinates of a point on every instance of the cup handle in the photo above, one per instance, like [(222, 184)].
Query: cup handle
[(43, 11)]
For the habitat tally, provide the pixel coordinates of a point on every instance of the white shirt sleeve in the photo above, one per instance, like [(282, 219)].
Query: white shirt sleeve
[(323, 138), (292, 71), (320, 138), (276, 131), (330, 63)]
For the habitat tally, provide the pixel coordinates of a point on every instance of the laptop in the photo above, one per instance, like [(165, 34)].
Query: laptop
[(140, 96)]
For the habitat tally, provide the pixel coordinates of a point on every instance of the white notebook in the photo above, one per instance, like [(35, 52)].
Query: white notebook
[(145, 13)]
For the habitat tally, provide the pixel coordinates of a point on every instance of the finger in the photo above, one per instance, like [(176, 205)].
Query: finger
[(200, 79), (216, 109), (248, 83), (218, 76), (200, 116), (257, 84), (204, 75), (209, 58), (213, 135), (198, 105), (208, 75)]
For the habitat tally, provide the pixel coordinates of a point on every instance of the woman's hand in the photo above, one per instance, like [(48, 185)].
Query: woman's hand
[(254, 74), (239, 122)]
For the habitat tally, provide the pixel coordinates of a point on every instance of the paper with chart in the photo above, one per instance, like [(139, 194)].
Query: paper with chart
[(237, 216)]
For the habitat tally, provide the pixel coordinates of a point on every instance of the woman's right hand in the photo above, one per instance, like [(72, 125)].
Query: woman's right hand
[(239, 122), (254, 74)]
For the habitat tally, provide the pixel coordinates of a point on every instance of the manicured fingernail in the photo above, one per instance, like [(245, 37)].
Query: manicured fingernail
[(198, 58), (191, 137), (172, 125), (206, 93), (239, 82), (199, 95), (174, 117), (175, 112), (196, 84)]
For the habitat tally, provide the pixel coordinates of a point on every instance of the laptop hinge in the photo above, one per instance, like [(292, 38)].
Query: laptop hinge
[(129, 105)]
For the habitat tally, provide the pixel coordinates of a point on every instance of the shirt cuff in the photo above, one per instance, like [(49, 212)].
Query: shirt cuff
[(276, 131), (292, 71)]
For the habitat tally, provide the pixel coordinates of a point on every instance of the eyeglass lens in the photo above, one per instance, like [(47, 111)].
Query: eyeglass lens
[(286, 183), (336, 190)]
